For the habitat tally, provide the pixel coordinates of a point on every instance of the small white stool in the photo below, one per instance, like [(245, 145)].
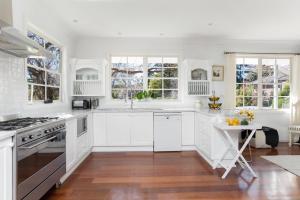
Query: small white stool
[(293, 130)]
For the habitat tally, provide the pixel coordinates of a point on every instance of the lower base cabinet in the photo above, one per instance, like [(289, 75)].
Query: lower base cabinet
[(6, 169), (123, 129)]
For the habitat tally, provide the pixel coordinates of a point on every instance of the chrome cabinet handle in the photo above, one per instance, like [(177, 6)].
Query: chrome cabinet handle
[(35, 145)]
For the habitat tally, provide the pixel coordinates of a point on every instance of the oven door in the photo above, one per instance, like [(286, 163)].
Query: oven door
[(38, 160)]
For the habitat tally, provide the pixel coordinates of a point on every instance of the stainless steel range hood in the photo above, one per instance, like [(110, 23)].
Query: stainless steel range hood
[(12, 41)]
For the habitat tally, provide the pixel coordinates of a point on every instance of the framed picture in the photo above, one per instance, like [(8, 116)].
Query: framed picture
[(218, 73)]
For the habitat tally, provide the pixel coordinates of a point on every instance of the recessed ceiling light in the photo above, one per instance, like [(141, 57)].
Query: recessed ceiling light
[(210, 24), (119, 33), (75, 20), (161, 34)]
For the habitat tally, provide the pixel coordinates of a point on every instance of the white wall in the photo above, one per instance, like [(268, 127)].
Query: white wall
[(29, 13), (211, 49)]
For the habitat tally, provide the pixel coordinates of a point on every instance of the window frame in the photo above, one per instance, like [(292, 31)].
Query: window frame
[(45, 70), (260, 84), (145, 76)]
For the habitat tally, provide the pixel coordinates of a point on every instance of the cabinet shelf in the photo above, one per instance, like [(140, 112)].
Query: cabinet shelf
[(87, 88)]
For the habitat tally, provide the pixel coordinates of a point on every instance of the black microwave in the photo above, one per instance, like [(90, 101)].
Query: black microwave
[(81, 104)]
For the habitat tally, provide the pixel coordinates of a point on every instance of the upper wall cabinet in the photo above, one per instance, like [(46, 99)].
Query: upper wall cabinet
[(199, 77), (89, 77)]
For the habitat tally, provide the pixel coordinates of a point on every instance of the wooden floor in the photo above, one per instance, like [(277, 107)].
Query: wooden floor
[(171, 176)]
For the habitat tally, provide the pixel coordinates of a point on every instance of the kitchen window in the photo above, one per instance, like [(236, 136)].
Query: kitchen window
[(263, 82), (158, 75), (43, 75)]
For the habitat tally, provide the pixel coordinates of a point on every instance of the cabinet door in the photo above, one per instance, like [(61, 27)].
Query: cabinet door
[(6, 172), (141, 129), (118, 129), (71, 135), (188, 128), (99, 129)]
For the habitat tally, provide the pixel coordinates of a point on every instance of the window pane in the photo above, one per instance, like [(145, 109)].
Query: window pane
[(239, 102), (37, 62), (172, 72), (170, 94), (155, 62), (35, 75), (283, 102), (118, 83), (239, 90), (239, 61), (29, 92), (283, 73), (135, 73), (268, 90), (250, 101), (268, 74), (284, 89), (268, 102), (239, 77), (135, 84), (170, 62), (119, 67), (36, 38), (156, 94), (38, 92), (134, 62), (118, 94), (154, 72), (250, 90), (120, 62), (250, 76), (155, 84), (53, 93), (53, 79), (118, 73), (251, 61), (134, 92), (170, 84), (53, 63)]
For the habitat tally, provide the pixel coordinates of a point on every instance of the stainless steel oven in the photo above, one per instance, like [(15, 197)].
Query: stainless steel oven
[(41, 160)]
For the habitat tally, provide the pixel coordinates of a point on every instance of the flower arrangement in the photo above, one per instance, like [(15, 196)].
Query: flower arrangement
[(248, 116)]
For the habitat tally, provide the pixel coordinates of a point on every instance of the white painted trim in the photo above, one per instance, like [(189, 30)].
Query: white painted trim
[(188, 148), (122, 149)]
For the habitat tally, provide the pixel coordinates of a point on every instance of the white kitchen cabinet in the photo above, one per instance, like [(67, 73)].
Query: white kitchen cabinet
[(71, 137), (99, 126), (123, 129), (84, 141), (188, 128), (118, 129), (209, 141), (141, 130), (6, 169)]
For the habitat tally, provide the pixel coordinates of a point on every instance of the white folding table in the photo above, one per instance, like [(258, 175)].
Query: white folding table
[(237, 153)]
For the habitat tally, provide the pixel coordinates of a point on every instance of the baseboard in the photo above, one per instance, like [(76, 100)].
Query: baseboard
[(122, 149), (188, 148), (74, 167)]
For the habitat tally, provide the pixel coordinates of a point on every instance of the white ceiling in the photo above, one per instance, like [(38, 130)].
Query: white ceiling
[(231, 19)]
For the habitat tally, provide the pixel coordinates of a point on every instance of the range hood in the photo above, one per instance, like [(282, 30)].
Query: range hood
[(13, 41)]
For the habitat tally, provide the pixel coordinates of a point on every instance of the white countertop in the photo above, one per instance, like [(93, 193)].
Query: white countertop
[(6, 134)]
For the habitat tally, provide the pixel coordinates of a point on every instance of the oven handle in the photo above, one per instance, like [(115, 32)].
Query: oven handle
[(37, 144)]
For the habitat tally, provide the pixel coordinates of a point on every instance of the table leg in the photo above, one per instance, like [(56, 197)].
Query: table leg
[(239, 154)]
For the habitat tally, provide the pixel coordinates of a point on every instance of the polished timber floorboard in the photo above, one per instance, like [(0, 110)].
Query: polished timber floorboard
[(176, 175)]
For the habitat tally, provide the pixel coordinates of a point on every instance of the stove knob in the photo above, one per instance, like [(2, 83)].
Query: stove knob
[(24, 139), (30, 136), (46, 131)]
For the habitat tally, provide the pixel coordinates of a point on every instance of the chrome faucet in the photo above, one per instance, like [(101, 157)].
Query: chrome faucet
[(131, 98)]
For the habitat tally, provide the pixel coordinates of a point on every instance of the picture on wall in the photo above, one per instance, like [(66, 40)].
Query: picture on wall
[(218, 73)]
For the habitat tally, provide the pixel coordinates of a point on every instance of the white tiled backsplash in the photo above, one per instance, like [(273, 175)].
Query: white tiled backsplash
[(12, 84)]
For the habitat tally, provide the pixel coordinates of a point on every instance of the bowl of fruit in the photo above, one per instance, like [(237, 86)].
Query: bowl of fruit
[(233, 121)]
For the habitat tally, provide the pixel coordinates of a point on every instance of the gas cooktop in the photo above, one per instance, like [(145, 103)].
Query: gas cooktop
[(24, 122)]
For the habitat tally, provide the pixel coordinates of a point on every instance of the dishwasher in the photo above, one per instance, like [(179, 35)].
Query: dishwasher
[(167, 131)]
